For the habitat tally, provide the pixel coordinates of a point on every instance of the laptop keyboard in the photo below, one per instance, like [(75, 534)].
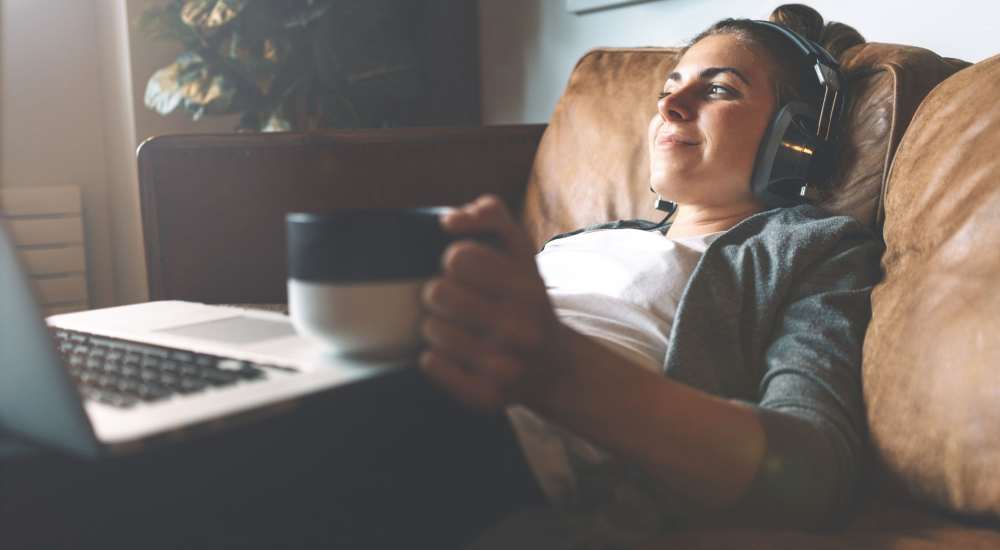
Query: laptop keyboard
[(124, 374)]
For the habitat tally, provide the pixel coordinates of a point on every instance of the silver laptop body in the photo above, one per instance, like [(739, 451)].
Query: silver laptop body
[(42, 402)]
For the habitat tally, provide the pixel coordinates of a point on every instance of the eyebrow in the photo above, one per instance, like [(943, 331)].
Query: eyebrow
[(712, 71)]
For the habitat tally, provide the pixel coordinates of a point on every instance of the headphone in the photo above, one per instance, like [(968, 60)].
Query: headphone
[(797, 148)]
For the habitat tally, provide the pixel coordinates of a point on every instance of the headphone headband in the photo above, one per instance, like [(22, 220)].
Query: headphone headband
[(797, 147), (808, 47), (827, 74)]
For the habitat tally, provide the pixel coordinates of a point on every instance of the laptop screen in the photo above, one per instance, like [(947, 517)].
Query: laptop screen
[(37, 396)]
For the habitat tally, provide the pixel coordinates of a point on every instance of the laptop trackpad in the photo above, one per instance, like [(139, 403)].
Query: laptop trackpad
[(233, 330)]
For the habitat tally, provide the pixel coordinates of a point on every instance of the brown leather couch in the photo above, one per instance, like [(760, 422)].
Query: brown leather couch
[(927, 177)]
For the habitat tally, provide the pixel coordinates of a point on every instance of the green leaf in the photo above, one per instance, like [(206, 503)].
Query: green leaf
[(211, 95), (165, 89), (208, 16), (189, 82)]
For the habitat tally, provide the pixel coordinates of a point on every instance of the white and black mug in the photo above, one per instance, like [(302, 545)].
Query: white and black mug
[(355, 276)]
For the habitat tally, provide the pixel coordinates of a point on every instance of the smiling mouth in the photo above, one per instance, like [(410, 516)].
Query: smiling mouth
[(669, 141)]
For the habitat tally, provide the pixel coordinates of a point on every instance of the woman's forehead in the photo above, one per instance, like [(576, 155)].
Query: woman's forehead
[(723, 50)]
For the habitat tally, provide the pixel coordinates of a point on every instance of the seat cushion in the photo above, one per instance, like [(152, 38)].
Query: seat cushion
[(593, 165), (932, 352)]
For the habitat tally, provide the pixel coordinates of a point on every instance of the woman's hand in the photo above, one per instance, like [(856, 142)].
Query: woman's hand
[(493, 339), (492, 336)]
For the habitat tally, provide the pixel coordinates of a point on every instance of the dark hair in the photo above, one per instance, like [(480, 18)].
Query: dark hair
[(793, 81)]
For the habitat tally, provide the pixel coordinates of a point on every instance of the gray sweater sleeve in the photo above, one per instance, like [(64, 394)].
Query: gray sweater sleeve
[(809, 397), (775, 316)]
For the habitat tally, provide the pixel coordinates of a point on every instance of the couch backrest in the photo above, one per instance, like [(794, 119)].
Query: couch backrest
[(932, 352), (214, 206), (592, 164)]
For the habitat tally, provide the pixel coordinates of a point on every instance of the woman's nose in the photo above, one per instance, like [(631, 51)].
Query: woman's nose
[(675, 106)]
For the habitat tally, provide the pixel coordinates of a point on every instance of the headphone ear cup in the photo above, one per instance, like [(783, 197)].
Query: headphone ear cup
[(790, 156)]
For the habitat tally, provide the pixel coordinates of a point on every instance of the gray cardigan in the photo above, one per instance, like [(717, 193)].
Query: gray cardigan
[(773, 315)]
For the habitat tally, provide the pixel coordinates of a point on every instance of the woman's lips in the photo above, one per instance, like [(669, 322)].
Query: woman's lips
[(673, 140)]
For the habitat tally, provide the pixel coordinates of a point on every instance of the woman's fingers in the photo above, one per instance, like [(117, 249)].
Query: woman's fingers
[(489, 215), (457, 341), (452, 301), (504, 321), (486, 270), (475, 352), (474, 385)]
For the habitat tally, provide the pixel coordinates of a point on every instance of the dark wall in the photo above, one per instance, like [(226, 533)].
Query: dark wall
[(449, 45), (398, 63)]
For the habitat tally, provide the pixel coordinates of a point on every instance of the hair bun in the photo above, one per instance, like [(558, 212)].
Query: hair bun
[(800, 18), (835, 37)]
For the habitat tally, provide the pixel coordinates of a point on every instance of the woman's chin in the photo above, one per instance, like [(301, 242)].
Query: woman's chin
[(671, 184), (678, 173)]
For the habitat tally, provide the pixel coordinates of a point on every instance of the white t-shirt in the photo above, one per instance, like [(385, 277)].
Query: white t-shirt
[(620, 287)]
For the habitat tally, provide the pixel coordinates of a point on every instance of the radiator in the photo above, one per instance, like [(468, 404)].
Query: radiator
[(46, 225)]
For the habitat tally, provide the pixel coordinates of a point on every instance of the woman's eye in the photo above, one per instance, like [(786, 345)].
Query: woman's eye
[(715, 89), (662, 95)]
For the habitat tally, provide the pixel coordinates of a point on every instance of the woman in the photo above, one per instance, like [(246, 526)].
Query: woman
[(710, 370)]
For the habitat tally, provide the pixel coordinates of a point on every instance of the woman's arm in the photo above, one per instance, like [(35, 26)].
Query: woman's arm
[(494, 340), (705, 448)]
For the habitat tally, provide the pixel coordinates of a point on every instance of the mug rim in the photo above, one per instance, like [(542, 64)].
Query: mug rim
[(321, 217)]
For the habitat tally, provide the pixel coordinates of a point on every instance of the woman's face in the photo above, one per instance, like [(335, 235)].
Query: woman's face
[(714, 109)]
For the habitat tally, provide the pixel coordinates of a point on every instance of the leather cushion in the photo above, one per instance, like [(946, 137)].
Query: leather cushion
[(932, 352), (882, 519), (880, 524), (592, 163)]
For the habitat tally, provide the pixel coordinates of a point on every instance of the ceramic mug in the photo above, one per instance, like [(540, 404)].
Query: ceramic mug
[(355, 277)]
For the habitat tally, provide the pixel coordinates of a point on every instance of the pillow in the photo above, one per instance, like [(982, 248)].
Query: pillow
[(932, 353), (592, 164)]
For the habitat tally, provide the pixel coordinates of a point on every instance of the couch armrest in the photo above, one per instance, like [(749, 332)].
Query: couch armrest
[(213, 206)]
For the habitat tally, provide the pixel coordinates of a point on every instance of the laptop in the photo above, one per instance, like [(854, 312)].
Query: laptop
[(115, 380)]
